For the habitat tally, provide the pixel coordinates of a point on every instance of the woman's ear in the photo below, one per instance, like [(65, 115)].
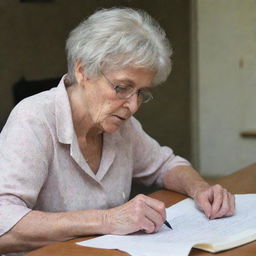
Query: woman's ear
[(79, 73)]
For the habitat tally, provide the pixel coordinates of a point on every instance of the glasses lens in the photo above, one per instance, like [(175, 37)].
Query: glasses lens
[(145, 96), (123, 92)]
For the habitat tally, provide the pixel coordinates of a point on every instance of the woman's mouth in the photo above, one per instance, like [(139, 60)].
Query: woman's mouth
[(120, 117)]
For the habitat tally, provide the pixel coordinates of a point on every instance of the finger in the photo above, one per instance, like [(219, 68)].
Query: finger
[(206, 207), (232, 205), (154, 217), (217, 200), (147, 226), (155, 204), (225, 206), (204, 202)]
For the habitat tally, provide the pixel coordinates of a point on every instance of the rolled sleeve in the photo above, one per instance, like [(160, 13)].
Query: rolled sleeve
[(12, 209), (23, 164), (151, 161)]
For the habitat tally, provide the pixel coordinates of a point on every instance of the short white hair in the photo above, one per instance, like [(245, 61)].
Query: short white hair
[(114, 38)]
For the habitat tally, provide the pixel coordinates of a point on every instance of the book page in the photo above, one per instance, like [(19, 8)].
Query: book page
[(190, 227), (222, 233)]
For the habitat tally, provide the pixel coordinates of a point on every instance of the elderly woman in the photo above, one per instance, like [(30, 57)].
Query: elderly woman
[(68, 155)]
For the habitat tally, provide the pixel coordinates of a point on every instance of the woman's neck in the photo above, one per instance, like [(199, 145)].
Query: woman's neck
[(82, 121)]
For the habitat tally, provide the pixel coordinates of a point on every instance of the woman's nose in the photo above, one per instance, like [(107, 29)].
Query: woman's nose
[(133, 103)]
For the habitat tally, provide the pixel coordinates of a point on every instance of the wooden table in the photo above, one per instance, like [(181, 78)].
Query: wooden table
[(69, 248)]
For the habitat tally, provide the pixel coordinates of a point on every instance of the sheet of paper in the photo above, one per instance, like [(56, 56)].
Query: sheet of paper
[(190, 226)]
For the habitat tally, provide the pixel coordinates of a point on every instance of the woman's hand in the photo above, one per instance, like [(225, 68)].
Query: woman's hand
[(215, 201), (140, 213)]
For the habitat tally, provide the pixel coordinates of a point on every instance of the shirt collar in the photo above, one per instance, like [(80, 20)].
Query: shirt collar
[(66, 134), (63, 116)]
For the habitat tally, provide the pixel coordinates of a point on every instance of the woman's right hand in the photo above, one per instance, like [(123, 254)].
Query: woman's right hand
[(140, 213)]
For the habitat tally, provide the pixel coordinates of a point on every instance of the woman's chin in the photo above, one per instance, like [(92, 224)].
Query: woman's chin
[(110, 128)]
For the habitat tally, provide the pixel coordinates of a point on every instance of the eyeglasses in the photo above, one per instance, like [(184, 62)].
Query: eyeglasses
[(127, 91)]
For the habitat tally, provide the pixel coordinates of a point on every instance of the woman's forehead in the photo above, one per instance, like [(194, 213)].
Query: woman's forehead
[(133, 75)]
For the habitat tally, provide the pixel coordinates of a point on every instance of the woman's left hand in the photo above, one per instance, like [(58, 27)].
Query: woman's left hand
[(215, 201)]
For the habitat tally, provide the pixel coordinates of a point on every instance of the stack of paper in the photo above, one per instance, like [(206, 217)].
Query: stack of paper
[(191, 228)]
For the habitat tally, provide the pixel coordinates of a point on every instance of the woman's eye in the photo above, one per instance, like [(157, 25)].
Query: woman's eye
[(121, 88)]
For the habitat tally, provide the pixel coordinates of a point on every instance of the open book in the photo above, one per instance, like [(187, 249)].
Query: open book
[(219, 234), (191, 228), (236, 240)]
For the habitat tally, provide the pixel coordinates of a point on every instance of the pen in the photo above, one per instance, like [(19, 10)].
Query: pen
[(167, 224)]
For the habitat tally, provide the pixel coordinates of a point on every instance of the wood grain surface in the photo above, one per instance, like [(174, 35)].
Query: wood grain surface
[(242, 181)]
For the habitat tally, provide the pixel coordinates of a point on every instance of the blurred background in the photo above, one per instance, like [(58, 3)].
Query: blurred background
[(201, 110)]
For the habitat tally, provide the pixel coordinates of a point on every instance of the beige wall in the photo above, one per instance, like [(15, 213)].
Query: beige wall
[(32, 45), (226, 88)]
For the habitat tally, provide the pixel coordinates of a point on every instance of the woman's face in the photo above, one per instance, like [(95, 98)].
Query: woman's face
[(102, 105)]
